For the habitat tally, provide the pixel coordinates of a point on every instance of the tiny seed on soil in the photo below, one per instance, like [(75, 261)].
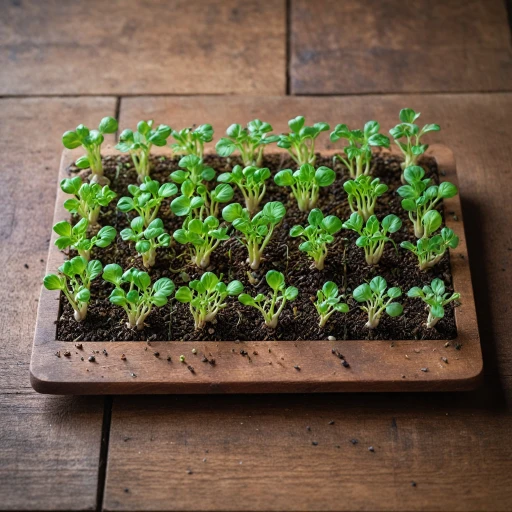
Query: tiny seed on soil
[(424, 370), (194, 351), (156, 354), (444, 359), (371, 449), (67, 353), (79, 346), (314, 443), (123, 357), (191, 369), (331, 422), (297, 367), (182, 358), (354, 441), (169, 358), (92, 359)]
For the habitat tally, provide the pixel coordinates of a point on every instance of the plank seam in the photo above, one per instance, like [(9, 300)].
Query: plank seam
[(105, 441)]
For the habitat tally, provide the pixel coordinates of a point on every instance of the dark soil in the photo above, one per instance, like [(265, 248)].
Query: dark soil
[(345, 265)]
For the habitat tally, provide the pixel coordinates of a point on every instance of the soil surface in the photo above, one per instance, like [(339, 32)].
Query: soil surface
[(345, 265)]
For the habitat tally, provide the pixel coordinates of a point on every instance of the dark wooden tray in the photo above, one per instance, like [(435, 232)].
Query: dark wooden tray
[(374, 365)]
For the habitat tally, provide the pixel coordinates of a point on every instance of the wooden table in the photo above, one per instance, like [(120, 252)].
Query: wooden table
[(431, 451)]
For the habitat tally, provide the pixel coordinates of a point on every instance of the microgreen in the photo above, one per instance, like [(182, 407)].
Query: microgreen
[(147, 240), (374, 234), (257, 231), (358, 152), (305, 183), (91, 141), (328, 301), (139, 144), (74, 280), (378, 298), (419, 198), (89, 198), (140, 297), (271, 307), (429, 251), (203, 237), (300, 142), (412, 148), (207, 296), (317, 235), (147, 198), (76, 237), (251, 182), (191, 141), (193, 170), (363, 193), (250, 141), (435, 298)]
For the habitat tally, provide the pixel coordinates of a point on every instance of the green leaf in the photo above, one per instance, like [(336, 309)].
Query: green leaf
[(246, 300), (394, 292), (112, 273), (274, 211), (432, 221), (378, 284), (108, 125), (362, 293), (291, 292), (296, 123), (447, 190), (167, 190), (284, 178), (437, 310), (184, 294), (407, 115), (125, 204), (94, 268), (223, 193), (413, 173), (143, 280), (315, 217), (394, 309), (332, 224), (159, 299), (181, 236), (209, 280), (438, 286), (296, 231), (118, 297), (225, 147), (181, 206), (53, 282), (83, 295), (234, 288), (430, 128), (163, 286), (415, 291), (275, 279), (324, 176), (330, 289), (63, 228), (391, 223), (70, 140), (133, 297)]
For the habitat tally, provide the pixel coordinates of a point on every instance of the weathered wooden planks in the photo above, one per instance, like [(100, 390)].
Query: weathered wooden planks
[(455, 447), (138, 47), (49, 446), (385, 46)]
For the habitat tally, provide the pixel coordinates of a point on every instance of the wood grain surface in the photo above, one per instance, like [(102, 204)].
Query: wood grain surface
[(385, 46), (454, 447), (49, 446), (143, 47)]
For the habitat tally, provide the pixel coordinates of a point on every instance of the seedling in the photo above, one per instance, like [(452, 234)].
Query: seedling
[(193, 170), (207, 296), (147, 199), (257, 230), (419, 199), (300, 142), (363, 193), (75, 237), (317, 235), (305, 183), (140, 298), (203, 237), (430, 251), (139, 144), (74, 280), (91, 141), (89, 198), (378, 300), (412, 148), (250, 141), (374, 235), (271, 307), (187, 204), (435, 298), (147, 240), (358, 152), (191, 141), (251, 182), (328, 301)]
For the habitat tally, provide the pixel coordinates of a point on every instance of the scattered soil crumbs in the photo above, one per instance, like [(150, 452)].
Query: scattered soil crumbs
[(345, 265)]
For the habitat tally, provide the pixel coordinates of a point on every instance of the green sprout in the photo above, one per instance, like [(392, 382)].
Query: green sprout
[(378, 300), (76, 237), (74, 280), (251, 182), (89, 198), (191, 141), (250, 141), (188, 204), (203, 237), (257, 230), (359, 150), (317, 235), (91, 141), (147, 199), (271, 307), (140, 298), (374, 235), (412, 149), (147, 240), (419, 197), (193, 170), (435, 298), (328, 301), (305, 183), (207, 296), (300, 142), (363, 193), (139, 144), (430, 251)]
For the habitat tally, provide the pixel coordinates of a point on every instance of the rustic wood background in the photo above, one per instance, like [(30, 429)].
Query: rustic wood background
[(68, 62)]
